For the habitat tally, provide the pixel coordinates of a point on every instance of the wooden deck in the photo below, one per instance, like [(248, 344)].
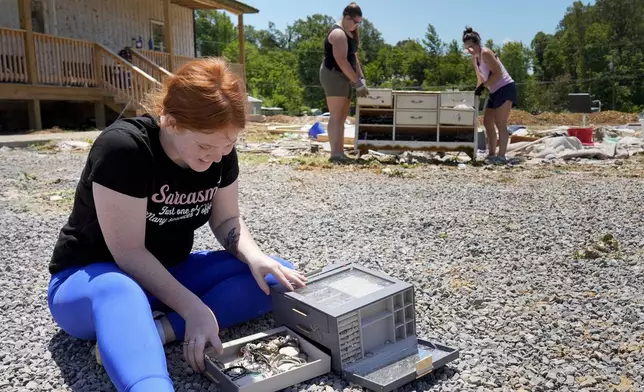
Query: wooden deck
[(74, 70), (64, 68)]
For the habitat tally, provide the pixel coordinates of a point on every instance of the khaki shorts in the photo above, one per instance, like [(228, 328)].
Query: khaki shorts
[(335, 83)]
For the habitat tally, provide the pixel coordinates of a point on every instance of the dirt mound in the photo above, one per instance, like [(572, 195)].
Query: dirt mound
[(609, 117), (282, 119), (548, 118), (520, 117)]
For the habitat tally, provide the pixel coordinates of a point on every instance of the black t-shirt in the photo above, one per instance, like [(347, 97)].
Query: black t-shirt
[(127, 157)]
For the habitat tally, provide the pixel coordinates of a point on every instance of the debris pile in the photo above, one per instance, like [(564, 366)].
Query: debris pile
[(73, 145)]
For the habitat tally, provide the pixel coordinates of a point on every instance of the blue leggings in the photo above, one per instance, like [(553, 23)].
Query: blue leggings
[(100, 302)]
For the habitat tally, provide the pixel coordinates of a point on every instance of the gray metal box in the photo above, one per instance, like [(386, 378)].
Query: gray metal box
[(366, 321)]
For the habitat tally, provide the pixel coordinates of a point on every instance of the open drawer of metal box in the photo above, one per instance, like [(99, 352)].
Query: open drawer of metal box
[(237, 379), (388, 371)]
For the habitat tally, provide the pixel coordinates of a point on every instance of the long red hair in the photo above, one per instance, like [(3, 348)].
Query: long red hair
[(202, 96)]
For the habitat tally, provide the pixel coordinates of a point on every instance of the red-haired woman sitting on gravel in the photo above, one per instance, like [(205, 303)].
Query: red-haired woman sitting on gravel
[(125, 252)]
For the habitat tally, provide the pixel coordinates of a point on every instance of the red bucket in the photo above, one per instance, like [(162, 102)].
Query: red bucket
[(585, 135)]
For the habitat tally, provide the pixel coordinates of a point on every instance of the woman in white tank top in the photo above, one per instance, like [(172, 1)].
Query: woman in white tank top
[(491, 74)]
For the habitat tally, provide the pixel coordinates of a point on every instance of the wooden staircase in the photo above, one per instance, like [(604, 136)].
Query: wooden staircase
[(125, 83)]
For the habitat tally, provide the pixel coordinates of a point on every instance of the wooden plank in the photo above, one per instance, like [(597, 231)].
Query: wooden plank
[(15, 91), (98, 66), (24, 8), (242, 51), (209, 4), (35, 119), (325, 138), (99, 114), (115, 106), (167, 34), (233, 6)]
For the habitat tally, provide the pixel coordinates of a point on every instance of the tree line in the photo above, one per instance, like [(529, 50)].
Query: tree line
[(596, 48)]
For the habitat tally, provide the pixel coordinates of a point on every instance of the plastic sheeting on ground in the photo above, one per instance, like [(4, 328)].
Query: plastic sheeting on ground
[(566, 147)]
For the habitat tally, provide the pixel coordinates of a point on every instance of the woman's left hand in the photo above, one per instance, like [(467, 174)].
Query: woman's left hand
[(265, 265), (479, 89)]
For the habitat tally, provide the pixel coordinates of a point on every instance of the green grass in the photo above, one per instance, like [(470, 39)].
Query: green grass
[(606, 245)]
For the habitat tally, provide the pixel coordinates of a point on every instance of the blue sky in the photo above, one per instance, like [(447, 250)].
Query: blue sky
[(517, 20)]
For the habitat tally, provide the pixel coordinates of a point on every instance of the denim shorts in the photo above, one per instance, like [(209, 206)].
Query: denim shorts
[(505, 93)]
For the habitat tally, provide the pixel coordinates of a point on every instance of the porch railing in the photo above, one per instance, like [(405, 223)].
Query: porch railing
[(70, 62), (179, 61), (148, 66), (13, 61), (162, 59), (126, 81), (64, 61)]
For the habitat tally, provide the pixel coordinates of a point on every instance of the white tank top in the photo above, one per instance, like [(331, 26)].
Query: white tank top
[(486, 72)]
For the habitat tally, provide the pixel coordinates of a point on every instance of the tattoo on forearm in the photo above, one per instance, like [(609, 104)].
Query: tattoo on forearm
[(231, 241)]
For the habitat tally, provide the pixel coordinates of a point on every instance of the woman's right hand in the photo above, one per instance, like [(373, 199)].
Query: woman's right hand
[(201, 328), (361, 89)]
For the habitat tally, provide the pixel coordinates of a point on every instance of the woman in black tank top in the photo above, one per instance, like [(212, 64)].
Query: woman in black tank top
[(338, 72)]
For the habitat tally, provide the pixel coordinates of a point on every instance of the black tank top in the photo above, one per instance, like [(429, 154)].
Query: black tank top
[(329, 60)]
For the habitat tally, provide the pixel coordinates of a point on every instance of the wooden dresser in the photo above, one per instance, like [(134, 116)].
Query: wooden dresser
[(417, 121)]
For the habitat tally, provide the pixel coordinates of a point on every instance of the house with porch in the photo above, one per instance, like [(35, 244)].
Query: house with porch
[(94, 58)]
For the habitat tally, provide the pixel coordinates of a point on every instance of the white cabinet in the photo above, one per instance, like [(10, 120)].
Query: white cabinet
[(417, 120)]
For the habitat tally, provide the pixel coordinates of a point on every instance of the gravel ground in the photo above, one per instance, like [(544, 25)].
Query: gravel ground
[(535, 274)]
